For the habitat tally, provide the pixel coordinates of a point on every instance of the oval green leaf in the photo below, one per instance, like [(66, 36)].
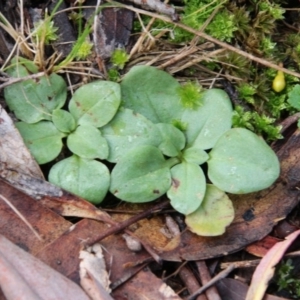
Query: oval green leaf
[(195, 155), (88, 179), (209, 121), (95, 103), (213, 216), (141, 175), (188, 187), (152, 93), (87, 142), (294, 97), (34, 99), (42, 139), (172, 141), (127, 131), (241, 162), (63, 120)]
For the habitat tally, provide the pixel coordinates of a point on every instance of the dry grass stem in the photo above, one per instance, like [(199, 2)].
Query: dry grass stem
[(11, 80), (207, 37), (196, 60)]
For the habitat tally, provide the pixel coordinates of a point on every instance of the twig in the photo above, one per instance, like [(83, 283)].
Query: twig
[(212, 292), (144, 34), (253, 263), (116, 227), (158, 6), (11, 81), (190, 281), (221, 275)]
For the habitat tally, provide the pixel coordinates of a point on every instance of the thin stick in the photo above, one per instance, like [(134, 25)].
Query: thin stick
[(11, 81), (122, 225), (254, 262), (22, 17), (212, 292), (190, 281), (221, 275)]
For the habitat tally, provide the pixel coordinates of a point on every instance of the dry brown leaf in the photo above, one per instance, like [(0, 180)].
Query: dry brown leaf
[(48, 224), (63, 253), (266, 268), (145, 285), (260, 248), (92, 270), (112, 29), (23, 276), (154, 231)]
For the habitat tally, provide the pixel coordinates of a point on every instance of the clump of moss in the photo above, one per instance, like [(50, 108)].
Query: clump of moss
[(190, 95), (260, 124), (287, 280)]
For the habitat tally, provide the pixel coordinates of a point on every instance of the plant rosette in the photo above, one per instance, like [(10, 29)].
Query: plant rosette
[(158, 134)]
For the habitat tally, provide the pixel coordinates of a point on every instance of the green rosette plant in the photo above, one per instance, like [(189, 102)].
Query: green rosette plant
[(158, 134)]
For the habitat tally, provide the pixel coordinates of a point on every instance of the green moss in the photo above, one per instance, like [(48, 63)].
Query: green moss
[(119, 58), (260, 124), (84, 50), (286, 279), (223, 26), (267, 46), (190, 95), (272, 8), (113, 75), (247, 92), (45, 31)]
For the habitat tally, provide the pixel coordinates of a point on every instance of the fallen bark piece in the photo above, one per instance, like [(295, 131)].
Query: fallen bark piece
[(145, 285)]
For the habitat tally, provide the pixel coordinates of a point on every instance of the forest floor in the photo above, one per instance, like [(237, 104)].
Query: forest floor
[(249, 49)]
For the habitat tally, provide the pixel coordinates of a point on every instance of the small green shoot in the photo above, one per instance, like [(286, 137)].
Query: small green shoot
[(190, 95), (84, 50), (45, 31), (119, 58)]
